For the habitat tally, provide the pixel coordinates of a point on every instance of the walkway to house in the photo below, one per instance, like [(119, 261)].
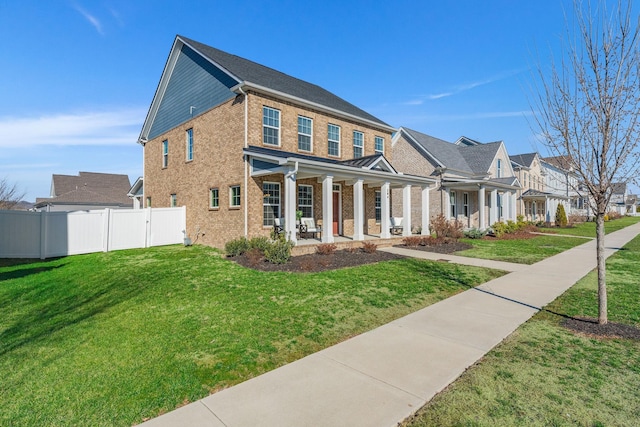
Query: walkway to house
[(381, 377)]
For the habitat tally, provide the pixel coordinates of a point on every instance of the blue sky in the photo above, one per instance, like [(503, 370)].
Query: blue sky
[(78, 76)]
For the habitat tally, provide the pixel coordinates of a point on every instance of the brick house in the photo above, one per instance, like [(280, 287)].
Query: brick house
[(241, 145), (476, 183)]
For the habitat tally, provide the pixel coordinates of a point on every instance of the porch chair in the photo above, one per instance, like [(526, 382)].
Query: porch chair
[(308, 226), (396, 225), (278, 225)]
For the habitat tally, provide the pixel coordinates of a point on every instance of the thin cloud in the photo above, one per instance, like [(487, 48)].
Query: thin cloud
[(468, 86), (92, 128), (90, 18)]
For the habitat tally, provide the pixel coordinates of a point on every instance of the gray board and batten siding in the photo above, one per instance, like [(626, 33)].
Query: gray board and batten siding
[(194, 82)]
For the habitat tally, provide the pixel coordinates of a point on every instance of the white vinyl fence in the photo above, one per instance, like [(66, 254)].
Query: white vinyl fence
[(52, 234)]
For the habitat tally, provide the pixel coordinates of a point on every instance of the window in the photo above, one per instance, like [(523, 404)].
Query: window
[(173, 201), (270, 203), (189, 144), (358, 144), (234, 196), (165, 153), (334, 140), (148, 202), (499, 206), (305, 127), (452, 200), (525, 179), (499, 167), (378, 207), (270, 126), (305, 200), (379, 145), (465, 204), (214, 198)]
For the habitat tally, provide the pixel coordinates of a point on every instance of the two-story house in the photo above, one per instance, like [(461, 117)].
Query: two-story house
[(476, 184), (242, 145)]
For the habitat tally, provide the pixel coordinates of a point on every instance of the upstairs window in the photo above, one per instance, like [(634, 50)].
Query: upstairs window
[(358, 144), (305, 126), (270, 126), (334, 140), (379, 145), (189, 144), (165, 153), (499, 169)]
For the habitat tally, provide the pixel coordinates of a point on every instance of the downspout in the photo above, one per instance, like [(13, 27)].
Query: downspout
[(246, 163)]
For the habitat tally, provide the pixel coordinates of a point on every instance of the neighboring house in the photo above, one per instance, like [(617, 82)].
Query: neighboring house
[(476, 183), (86, 191), (136, 193), (544, 187), (562, 176), (621, 200), (242, 145)]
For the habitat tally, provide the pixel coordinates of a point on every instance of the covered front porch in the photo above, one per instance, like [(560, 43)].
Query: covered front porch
[(541, 206), (346, 199)]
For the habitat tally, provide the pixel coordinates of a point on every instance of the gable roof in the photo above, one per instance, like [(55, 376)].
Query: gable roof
[(251, 75), (523, 159), (472, 159), (89, 188)]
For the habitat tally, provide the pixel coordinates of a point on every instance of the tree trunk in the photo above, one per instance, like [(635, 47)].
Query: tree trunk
[(602, 280)]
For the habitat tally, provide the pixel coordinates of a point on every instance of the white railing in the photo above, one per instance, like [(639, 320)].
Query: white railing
[(52, 234)]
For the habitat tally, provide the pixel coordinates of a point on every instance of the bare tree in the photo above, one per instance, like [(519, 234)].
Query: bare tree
[(10, 196), (587, 108)]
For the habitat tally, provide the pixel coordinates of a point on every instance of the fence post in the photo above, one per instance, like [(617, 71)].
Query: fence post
[(147, 225), (43, 234), (105, 230)]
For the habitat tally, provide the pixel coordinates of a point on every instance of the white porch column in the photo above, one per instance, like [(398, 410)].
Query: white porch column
[(406, 210), (506, 206), (385, 211), (481, 199), (513, 204), (327, 209), (425, 211), (446, 203), (493, 208), (358, 210), (290, 206)]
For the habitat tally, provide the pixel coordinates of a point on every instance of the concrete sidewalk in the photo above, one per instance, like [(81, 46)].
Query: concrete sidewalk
[(383, 376)]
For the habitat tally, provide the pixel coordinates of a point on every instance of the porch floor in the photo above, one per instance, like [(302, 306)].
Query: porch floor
[(308, 245)]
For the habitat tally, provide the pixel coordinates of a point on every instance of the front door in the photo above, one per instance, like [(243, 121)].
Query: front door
[(336, 213)]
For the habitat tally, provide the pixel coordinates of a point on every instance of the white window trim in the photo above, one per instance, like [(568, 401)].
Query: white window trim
[(211, 198), (361, 146), (277, 184), (377, 194), (452, 203), (333, 140), (165, 153), (375, 148), (310, 134), (173, 200), (465, 204), (189, 143), (311, 205), (278, 128)]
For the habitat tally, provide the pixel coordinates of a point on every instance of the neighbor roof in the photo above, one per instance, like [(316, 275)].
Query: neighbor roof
[(89, 187), (245, 71), (523, 159)]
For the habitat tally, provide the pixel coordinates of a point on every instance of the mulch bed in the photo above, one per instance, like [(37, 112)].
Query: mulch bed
[(314, 262), (591, 328)]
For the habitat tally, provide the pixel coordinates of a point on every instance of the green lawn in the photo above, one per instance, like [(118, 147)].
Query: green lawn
[(544, 375), (110, 339), (588, 229), (524, 251)]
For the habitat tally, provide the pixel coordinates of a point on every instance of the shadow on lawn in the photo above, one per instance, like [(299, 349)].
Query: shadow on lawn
[(27, 271), (52, 307)]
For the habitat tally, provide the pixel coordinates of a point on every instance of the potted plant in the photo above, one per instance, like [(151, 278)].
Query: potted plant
[(298, 217)]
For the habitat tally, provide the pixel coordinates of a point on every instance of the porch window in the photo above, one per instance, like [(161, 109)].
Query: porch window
[(452, 201), (214, 198), (378, 207), (270, 203), (189, 144), (465, 204), (358, 144), (305, 200), (334, 140), (305, 126), (165, 153), (270, 126), (234, 196), (379, 145), (173, 200)]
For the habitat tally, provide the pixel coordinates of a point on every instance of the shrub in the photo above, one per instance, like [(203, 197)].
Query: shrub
[(254, 256), (573, 219), (279, 252), (236, 247), (260, 243), (412, 241), (444, 228), (499, 228), (326, 249), (369, 247), (561, 216), (475, 233), (614, 215)]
